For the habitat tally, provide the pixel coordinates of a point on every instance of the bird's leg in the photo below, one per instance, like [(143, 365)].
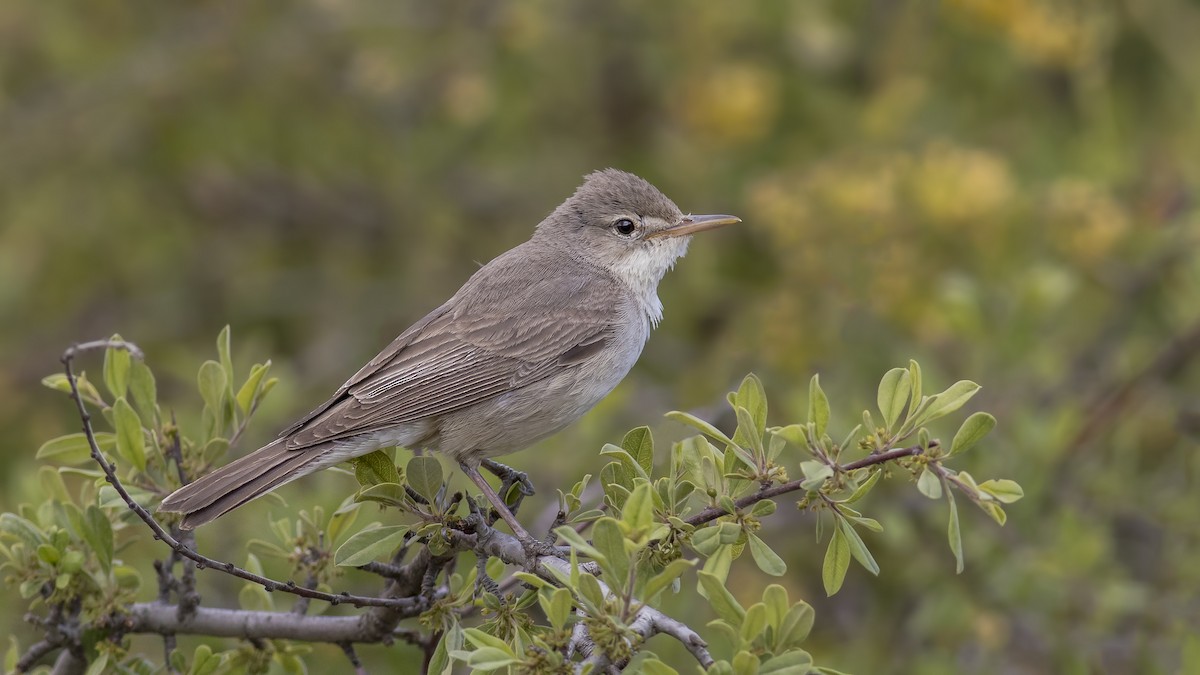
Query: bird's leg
[(508, 478), (531, 545)]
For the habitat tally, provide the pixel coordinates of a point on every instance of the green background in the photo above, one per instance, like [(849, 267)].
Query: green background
[(1003, 190)]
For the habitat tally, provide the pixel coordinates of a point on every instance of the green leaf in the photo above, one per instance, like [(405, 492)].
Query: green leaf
[(755, 622), (721, 599), (374, 468), (1004, 490), (797, 662), (914, 373), (751, 396), (211, 381), (638, 511), (697, 423), (950, 400), (837, 561), (424, 474), (591, 593), (97, 532), (862, 490), (929, 484), (766, 559), (556, 603), (223, 354), (718, 563), (666, 577), (953, 534), (972, 430), (144, 392), (858, 549), (482, 639), (608, 539), (116, 369), (131, 445), (894, 390), (99, 666), (252, 388), (796, 624), (652, 666), (639, 443), (490, 658), (815, 473), (747, 435), (370, 544), (577, 542), (818, 405), (74, 449)]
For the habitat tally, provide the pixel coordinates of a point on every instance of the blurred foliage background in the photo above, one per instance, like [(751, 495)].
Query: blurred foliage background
[(1001, 189)]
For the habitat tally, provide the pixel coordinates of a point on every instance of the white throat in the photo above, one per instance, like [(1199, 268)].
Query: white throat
[(642, 270)]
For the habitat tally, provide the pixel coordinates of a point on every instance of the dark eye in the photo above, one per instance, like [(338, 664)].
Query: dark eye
[(624, 227)]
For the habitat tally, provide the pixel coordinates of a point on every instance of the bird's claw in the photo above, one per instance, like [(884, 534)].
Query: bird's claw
[(510, 477)]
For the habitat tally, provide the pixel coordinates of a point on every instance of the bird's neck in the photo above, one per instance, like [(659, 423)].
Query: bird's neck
[(643, 269)]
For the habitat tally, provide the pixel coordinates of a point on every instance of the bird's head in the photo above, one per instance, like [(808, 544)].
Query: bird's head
[(623, 223)]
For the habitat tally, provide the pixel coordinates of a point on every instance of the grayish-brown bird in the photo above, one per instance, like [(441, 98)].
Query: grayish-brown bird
[(530, 343)]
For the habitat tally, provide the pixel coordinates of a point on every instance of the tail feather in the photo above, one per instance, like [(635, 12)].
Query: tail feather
[(240, 481)]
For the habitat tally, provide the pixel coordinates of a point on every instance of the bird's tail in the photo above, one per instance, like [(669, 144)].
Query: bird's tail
[(240, 481)]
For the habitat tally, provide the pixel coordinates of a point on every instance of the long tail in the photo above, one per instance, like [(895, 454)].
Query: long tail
[(240, 481)]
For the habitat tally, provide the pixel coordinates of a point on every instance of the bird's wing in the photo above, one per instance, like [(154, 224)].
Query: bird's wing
[(465, 352)]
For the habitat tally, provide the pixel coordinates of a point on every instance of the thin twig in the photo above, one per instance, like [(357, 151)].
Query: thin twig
[(35, 653), (407, 604), (714, 512)]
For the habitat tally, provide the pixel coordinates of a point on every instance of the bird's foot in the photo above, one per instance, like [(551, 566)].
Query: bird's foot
[(510, 477)]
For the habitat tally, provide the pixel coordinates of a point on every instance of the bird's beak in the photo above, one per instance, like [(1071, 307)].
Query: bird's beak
[(694, 224)]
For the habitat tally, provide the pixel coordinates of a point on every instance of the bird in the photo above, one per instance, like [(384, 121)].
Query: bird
[(532, 341)]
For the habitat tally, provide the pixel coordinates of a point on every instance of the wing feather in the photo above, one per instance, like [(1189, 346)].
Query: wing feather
[(494, 336)]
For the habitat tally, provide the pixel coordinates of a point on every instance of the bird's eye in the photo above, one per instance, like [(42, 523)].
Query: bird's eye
[(624, 227)]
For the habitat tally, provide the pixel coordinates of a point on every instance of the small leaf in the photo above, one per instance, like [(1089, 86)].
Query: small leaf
[(131, 445), (1004, 490), (639, 443), (74, 449), (837, 561), (858, 549), (894, 390), (557, 607), (721, 599), (798, 662), (638, 511), (751, 396), (424, 474), (370, 544), (972, 430), (482, 639), (953, 533), (608, 539), (251, 390), (490, 658), (666, 577), (950, 400), (818, 405), (755, 622), (223, 354), (930, 485), (97, 532), (117, 364), (652, 666), (374, 468), (144, 392), (766, 559), (211, 382), (697, 423)]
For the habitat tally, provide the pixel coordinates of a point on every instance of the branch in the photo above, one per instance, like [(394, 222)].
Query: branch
[(156, 617), (714, 512), (649, 621), (402, 604)]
